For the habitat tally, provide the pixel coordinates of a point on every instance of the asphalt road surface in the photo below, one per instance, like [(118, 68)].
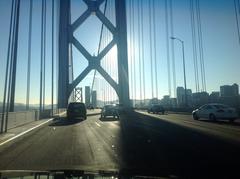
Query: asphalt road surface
[(157, 145)]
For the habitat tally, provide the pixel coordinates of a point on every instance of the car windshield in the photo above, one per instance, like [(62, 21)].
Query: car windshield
[(148, 88)]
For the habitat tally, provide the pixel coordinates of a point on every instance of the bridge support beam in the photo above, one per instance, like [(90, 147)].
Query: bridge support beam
[(63, 68), (121, 26)]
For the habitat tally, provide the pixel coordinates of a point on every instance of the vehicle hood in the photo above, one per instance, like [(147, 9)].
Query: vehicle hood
[(66, 173)]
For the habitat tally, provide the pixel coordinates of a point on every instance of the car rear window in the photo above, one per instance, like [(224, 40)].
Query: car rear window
[(220, 106), (76, 105)]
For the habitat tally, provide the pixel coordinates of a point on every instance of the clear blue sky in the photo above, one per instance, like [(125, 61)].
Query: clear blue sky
[(220, 43)]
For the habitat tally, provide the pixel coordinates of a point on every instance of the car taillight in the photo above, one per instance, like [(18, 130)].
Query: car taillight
[(220, 110)]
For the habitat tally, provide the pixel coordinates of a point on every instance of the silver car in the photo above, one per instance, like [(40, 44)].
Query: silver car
[(215, 111)]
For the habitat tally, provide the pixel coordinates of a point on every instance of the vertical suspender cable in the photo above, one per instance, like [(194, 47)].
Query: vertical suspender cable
[(139, 52), (110, 57), (237, 19), (172, 47), (13, 63), (201, 45), (14, 57), (131, 46), (167, 46), (99, 44), (154, 47), (44, 55), (194, 45), (150, 42), (29, 54), (53, 24), (134, 56), (238, 6), (142, 49), (7, 66)]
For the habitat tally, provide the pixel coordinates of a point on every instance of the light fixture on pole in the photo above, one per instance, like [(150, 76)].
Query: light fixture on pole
[(184, 71)]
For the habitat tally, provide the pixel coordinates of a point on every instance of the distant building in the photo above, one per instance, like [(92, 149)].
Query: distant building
[(180, 96), (94, 99), (153, 101), (173, 102), (166, 101), (189, 97), (214, 97), (229, 95), (229, 90), (235, 89), (87, 95), (199, 99)]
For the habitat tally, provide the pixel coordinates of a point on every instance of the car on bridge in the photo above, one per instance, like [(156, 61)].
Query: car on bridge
[(76, 110), (155, 109), (109, 110), (215, 111)]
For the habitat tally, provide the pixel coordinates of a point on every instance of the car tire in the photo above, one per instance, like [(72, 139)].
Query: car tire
[(195, 117), (212, 117)]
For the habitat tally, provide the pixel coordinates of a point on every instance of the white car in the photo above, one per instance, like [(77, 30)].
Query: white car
[(215, 111)]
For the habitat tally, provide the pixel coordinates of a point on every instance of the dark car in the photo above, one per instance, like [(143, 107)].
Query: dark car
[(109, 110), (155, 109), (76, 110)]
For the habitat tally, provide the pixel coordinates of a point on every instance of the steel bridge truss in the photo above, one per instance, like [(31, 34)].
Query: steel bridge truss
[(94, 62)]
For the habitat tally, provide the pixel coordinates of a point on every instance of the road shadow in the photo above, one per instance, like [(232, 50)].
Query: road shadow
[(222, 122), (64, 121), (108, 119), (150, 146)]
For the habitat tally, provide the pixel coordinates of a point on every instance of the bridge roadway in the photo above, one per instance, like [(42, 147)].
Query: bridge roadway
[(139, 143)]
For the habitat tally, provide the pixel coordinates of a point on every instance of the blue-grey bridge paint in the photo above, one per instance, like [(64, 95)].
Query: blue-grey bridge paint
[(119, 38)]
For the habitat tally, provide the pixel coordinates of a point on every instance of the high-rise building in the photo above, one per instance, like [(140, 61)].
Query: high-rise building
[(235, 89), (229, 90), (214, 97), (94, 99), (199, 99), (87, 96), (229, 95), (180, 96)]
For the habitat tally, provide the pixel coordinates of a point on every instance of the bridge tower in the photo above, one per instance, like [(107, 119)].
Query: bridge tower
[(66, 38)]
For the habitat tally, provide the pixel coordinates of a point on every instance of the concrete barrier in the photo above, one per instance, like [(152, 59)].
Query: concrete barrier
[(16, 119), (20, 118)]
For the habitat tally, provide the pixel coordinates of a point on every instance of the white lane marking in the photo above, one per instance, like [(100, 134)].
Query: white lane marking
[(24, 132), (98, 124)]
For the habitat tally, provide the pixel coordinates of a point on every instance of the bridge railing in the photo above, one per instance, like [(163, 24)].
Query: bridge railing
[(19, 118)]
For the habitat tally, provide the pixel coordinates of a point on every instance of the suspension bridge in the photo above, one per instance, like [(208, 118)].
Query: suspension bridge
[(128, 52)]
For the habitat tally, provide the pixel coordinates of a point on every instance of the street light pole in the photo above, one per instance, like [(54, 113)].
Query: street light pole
[(184, 68)]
